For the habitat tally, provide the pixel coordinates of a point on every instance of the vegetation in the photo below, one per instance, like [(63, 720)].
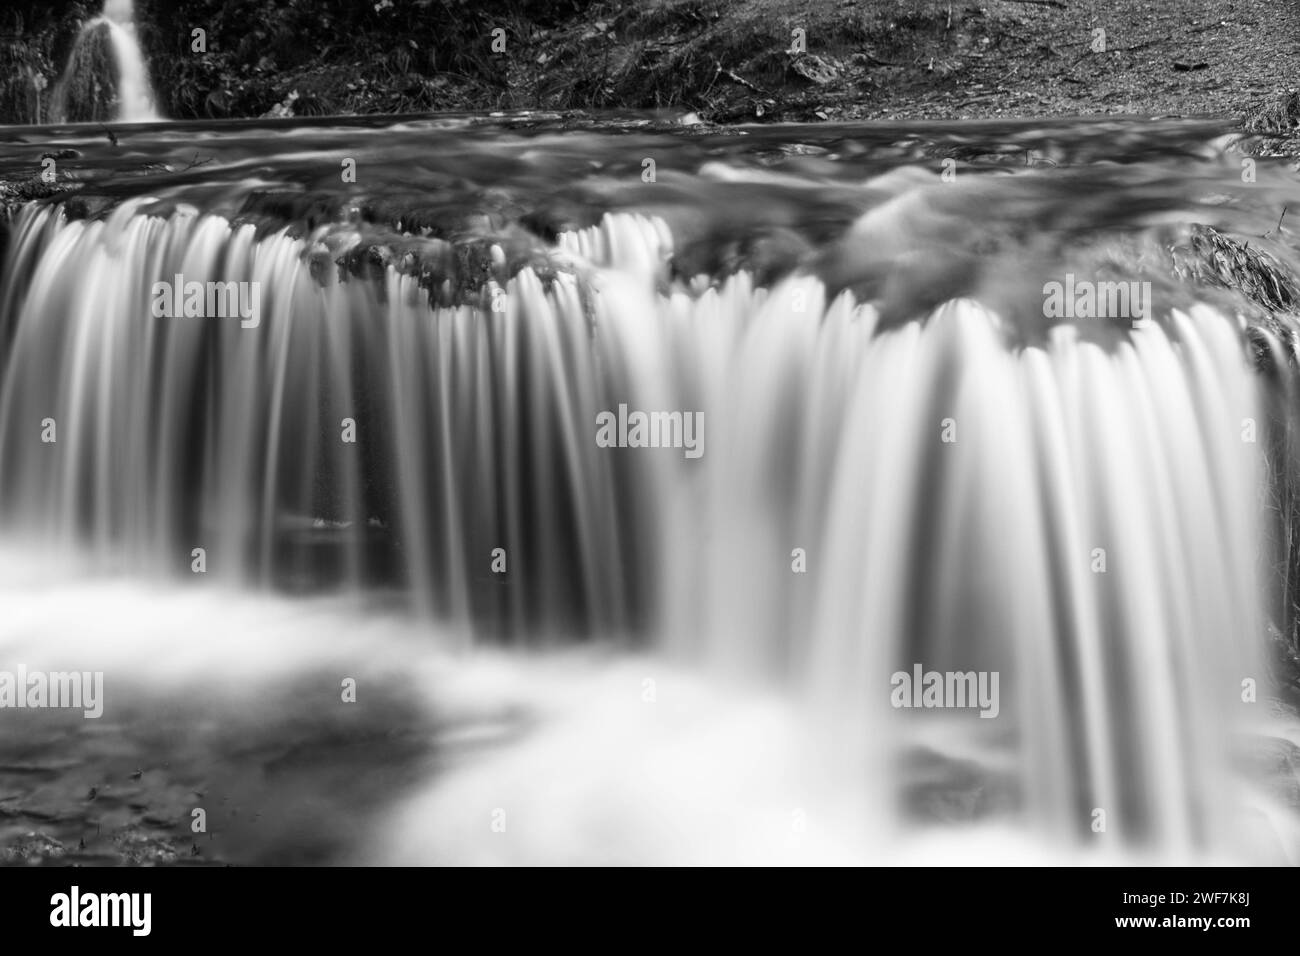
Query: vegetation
[(728, 60), (35, 42), (333, 56)]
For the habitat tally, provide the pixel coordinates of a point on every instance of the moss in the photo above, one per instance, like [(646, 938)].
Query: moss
[(23, 86), (87, 93)]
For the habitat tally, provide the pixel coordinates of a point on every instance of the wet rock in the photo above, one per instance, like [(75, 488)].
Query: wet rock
[(33, 848), (1275, 763), (942, 789), (139, 848), (88, 91)]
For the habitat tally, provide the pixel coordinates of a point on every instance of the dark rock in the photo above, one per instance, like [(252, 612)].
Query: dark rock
[(942, 789)]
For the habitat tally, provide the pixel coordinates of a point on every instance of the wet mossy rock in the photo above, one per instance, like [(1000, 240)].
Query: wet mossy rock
[(87, 92)]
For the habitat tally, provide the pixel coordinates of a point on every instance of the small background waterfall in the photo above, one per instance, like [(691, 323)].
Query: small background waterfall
[(106, 77), (904, 463)]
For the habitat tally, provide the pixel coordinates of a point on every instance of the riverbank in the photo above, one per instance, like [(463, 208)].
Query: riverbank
[(729, 61)]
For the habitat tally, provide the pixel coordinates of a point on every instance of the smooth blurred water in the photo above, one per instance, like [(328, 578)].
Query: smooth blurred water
[(881, 394), (126, 80)]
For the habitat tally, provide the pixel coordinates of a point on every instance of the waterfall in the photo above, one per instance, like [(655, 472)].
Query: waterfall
[(1089, 528), (106, 77), (895, 479), (477, 427)]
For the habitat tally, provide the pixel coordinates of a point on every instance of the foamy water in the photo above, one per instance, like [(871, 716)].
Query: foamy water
[(678, 659), (540, 758)]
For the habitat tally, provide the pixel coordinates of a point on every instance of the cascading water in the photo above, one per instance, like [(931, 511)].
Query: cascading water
[(901, 467), (106, 77)]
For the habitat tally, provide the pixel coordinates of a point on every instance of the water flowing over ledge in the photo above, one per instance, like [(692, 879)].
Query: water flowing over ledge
[(904, 460)]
